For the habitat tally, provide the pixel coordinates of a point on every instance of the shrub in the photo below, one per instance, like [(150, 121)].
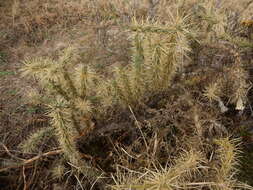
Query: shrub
[(184, 75)]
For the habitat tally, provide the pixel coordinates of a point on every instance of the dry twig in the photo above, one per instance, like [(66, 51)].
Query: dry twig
[(11, 155), (29, 161), (24, 177)]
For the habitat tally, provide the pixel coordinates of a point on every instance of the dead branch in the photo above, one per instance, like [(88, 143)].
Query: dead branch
[(29, 161), (11, 155)]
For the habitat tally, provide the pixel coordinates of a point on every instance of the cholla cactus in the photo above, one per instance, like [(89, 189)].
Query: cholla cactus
[(168, 178), (158, 52), (190, 171), (58, 171), (66, 136), (71, 108), (228, 153), (32, 143)]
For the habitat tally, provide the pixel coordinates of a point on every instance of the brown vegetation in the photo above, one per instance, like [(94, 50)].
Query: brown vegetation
[(150, 94)]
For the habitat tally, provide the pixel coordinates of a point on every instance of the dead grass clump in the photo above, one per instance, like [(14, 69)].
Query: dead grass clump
[(36, 20), (190, 170)]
